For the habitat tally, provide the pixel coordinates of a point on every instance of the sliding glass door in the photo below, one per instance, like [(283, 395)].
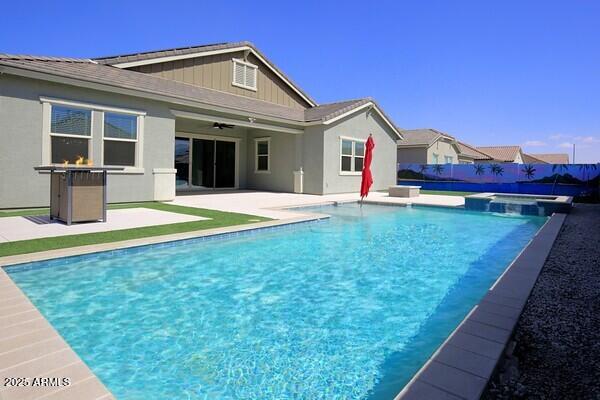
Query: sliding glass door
[(205, 163)]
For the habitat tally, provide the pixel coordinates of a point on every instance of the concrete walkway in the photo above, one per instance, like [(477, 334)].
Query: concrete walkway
[(272, 204), (24, 228)]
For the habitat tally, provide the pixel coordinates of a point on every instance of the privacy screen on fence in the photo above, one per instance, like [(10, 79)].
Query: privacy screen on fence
[(558, 179)]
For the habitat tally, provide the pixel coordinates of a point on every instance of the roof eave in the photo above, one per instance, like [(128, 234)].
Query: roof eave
[(34, 74)]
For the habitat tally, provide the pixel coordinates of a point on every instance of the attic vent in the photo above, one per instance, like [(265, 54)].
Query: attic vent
[(244, 74)]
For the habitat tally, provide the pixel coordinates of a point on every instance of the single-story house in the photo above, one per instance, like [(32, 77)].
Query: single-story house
[(506, 154), (202, 117), (427, 146), (470, 155), (551, 158)]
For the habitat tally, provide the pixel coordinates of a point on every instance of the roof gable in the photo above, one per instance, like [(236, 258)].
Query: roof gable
[(154, 57), (422, 137), (501, 153), (552, 158)]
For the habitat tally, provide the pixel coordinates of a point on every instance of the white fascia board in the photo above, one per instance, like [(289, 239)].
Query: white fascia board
[(210, 53), (237, 122), (357, 109), (93, 106)]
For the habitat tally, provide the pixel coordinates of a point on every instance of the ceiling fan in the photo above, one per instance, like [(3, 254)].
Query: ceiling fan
[(218, 125)]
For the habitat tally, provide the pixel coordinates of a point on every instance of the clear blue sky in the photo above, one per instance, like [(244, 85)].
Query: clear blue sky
[(488, 72)]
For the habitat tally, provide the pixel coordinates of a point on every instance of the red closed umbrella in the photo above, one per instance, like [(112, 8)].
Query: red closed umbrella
[(367, 177)]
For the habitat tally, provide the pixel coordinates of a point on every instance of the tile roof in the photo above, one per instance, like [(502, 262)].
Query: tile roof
[(181, 51), (530, 159), (90, 71), (116, 77), (420, 137), (553, 158), (467, 150), (324, 112), (501, 153)]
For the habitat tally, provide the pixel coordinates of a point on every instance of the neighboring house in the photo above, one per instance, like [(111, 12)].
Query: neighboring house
[(470, 155), (530, 159), (203, 117), (427, 146), (507, 154), (552, 158)]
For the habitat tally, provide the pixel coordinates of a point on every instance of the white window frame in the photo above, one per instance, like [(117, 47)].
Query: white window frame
[(448, 159), (435, 158), (353, 156), (246, 65), (47, 111), (256, 142), (96, 109), (138, 148)]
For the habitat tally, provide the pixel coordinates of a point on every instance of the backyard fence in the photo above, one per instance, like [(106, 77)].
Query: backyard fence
[(580, 180)]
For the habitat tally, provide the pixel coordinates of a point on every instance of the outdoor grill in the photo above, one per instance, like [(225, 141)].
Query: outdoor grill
[(77, 193)]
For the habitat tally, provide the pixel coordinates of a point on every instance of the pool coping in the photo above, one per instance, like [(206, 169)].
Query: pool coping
[(463, 364)]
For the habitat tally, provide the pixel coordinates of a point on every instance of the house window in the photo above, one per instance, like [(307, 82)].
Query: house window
[(435, 158), (244, 74), (352, 156), (262, 161), (448, 159), (70, 133), (120, 139)]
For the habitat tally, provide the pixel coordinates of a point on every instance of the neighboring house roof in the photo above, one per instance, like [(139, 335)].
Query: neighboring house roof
[(180, 53), (529, 159), (422, 137), (466, 150), (67, 69), (501, 153), (553, 158)]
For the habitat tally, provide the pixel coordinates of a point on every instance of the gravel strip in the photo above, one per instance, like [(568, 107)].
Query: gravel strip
[(557, 352)]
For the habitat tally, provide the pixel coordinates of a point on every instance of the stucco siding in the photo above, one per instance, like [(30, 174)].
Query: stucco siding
[(414, 155), (283, 161), (216, 72), (21, 135), (443, 149), (313, 157), (359, 126)]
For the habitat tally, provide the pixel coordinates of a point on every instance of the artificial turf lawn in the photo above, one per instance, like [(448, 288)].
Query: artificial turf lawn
[(218, 219)]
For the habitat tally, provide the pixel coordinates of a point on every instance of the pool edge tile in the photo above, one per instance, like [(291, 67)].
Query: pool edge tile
[(498, 313)]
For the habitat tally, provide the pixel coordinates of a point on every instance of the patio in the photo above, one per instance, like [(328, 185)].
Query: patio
[(275, 205), (35, 227)]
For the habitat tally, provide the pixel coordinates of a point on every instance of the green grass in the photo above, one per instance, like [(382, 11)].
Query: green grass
[(447, 193), (218, 219)]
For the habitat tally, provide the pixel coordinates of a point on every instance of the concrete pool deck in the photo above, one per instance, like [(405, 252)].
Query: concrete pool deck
[(31, 348), (274, 205), (35, 227)]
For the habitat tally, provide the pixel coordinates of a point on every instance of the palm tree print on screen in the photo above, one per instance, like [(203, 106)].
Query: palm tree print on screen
[(557, 169), (529, 171), (438, 169), (422, 169), (479, 169), (496, 170)]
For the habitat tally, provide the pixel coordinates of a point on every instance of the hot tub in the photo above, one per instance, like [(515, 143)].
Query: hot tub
[(524, 204)]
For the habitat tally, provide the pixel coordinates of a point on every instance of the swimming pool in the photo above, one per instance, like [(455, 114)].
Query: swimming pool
[(349, 307)]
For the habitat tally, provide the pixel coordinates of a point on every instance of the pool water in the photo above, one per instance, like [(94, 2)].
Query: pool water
[(346, 308)]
